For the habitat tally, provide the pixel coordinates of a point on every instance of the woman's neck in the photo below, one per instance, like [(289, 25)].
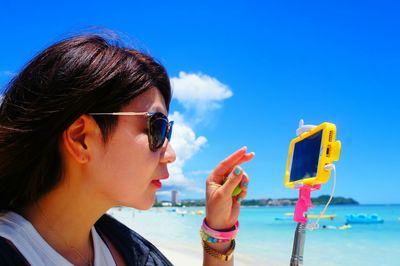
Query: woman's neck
[(64, 218)]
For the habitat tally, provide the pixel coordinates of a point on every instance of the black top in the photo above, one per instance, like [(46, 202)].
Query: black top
[(134, 249)]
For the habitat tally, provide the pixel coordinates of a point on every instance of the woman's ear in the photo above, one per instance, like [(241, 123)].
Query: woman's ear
[(75, 138)]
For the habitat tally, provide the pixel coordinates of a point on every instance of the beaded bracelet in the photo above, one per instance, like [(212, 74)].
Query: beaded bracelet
[(217, 236), (211, 239)]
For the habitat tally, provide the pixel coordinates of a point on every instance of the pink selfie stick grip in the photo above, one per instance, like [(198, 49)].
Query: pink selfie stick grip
[(304, 202)]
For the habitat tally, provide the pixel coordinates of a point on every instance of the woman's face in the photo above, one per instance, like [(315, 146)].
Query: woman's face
[(127, 171)]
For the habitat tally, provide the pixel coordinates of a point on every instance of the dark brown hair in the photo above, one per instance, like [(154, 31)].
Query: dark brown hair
[(75, 76)]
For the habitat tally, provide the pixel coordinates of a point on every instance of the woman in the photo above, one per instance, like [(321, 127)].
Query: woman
[(84, 128)]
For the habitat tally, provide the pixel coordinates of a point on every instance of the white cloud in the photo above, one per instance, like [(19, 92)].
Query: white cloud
[(199, 91), (199, 94), (7, 73), (185, 142), (201, 172), (186, 145)]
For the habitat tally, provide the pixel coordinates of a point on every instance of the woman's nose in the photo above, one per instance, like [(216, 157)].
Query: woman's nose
[(169, 156)]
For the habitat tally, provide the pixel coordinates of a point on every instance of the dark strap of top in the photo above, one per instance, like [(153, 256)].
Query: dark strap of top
[(9, 254), (134, 249)]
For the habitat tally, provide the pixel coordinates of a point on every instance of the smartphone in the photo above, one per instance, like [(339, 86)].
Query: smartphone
[(309, 153)]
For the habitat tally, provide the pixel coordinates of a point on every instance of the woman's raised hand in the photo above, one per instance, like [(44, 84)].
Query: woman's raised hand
[(222, 209)]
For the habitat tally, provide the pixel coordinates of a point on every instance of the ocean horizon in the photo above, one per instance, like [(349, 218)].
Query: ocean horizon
[(265, 240)]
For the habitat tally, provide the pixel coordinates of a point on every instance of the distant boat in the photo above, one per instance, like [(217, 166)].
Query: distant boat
[(344, 227), (181, 212), (362, 218), (200, 212), (325, 216), (284, 218)]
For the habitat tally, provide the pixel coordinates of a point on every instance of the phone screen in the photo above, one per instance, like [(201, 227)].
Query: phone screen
[(305, 157)]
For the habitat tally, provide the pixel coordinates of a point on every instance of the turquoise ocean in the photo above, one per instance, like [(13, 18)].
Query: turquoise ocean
[(263, 240)]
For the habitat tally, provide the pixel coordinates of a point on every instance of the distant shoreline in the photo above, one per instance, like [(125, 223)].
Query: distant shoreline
[(321, 200)]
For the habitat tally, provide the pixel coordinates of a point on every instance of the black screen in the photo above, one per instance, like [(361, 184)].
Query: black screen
[(305, 157)]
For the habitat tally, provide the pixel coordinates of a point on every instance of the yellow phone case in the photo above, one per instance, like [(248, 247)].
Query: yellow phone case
[(329, 152)]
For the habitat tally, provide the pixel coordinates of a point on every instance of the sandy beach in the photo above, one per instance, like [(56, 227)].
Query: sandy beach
[(183, 256)]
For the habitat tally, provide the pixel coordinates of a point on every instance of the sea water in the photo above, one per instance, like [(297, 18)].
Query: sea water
[(264, 240)]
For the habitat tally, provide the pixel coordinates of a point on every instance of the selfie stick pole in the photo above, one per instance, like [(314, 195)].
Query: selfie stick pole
[(302, 205)]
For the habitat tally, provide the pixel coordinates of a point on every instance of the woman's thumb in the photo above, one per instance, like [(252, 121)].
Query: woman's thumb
[(233, 181)]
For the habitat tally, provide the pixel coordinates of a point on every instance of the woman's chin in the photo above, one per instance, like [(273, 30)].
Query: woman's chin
[(144, 205)]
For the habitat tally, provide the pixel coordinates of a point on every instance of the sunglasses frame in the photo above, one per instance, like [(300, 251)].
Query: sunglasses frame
[(150, 116)]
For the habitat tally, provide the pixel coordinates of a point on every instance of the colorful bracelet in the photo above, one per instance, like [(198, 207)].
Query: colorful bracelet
[(212, 252), (211, 239), (215, 236)]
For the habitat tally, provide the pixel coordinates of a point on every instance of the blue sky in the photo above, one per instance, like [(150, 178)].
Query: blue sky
[(245, 73)]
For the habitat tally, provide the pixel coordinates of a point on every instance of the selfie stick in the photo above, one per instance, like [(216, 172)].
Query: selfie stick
[(302, 205)]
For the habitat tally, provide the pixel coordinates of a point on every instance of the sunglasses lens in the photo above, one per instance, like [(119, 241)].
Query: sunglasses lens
[(158, 132), (170, 130)]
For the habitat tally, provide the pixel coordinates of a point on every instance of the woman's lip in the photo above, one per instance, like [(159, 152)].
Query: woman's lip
[(157, 183), (164, 177)]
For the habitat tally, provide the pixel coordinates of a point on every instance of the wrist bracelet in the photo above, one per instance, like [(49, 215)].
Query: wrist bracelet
[(220, 234), (211, 239), (212, 252)]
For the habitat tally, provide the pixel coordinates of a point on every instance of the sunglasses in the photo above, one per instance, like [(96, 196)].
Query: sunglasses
[(158, 125)]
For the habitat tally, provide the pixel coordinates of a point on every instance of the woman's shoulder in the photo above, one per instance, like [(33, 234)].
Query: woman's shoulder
[(134, 248)]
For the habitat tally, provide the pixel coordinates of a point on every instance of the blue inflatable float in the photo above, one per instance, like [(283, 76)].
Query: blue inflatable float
[(362, 218)]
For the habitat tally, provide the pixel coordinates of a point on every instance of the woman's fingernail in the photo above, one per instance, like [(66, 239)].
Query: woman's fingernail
[(237, 170), (245, 184)]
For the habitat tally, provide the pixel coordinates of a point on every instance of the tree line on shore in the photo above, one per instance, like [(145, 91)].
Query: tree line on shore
[(321, 200)]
